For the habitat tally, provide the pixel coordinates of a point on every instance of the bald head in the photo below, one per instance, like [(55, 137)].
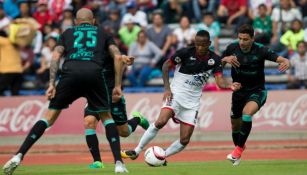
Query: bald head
[(84, 15)]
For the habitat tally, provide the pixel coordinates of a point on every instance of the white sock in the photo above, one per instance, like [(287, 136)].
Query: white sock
[(149, 134), (174, 148)]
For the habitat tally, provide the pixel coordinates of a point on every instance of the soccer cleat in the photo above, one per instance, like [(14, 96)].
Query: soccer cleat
[(165, 163), (12, 164), (233, 160), (96, 164), (235, 156), (120, 167), (143, 121), (129, 154)]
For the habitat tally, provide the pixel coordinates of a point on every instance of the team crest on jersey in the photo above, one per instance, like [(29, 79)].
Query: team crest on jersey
[(211, 62), (177, 60)]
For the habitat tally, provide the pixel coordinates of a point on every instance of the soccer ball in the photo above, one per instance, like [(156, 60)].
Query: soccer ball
[(155, 156)]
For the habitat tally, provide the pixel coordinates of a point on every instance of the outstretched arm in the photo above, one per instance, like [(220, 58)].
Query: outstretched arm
[(223, 84)]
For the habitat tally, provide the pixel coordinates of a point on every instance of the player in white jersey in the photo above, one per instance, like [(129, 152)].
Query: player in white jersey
[(182, 98)]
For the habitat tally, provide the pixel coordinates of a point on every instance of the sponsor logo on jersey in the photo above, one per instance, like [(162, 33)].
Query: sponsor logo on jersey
[(178, 60), (211, 62), (192, 58)]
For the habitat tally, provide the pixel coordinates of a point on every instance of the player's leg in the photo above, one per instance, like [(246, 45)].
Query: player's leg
[(237, 105), (188, 119), (35, 133), (126, 127), (186, 132), (150, 133), (90, 123)]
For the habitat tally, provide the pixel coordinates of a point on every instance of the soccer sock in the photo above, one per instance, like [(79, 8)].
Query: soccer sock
[(36, 132), (113, 138), (235, 137), (92, 143), (174, 148), (133, 123), (245, 130), (149, 134)]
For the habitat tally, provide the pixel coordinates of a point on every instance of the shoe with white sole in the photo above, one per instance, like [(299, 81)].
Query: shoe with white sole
[(12, 164), (120, 167), (233, 160)]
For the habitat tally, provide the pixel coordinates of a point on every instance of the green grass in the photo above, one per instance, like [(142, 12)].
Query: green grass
[(272, 167)]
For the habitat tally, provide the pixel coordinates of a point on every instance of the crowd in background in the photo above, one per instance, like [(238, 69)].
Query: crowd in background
[(149, 30)]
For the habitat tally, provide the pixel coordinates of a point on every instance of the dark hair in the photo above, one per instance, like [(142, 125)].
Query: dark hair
[(262, 5), (246, 29), (3, 33), (203, 33), (300, 42), (208, 14)]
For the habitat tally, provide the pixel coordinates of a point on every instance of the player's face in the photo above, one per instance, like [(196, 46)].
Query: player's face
[(202, 44), (245, 41)]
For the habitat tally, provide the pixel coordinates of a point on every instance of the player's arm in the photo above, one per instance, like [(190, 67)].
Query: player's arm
[(284, 63), (227, 57), (54, 67), (165, 69), (118, 63), (223, 84)]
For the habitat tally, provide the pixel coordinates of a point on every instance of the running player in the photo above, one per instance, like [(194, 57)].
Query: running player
[(247, 59), (84, 48), (182, 98)]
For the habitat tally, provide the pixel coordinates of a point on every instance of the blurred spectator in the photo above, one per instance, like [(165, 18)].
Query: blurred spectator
[(43, 71), (282, 17), (298, 76), (185, 34), (42, 14), (160, 35), (232, 12), (146, 54), (27, 59), (214, 29), (195, 8), (147, 6), (4, 20), (293, 36), (68, 18), (305, 38), (139, 16), (263, 25), (128, 33), (10, 66), (112, 24), (11, 8), (57, 6), (302, 4), (172, 11), (253, 10)]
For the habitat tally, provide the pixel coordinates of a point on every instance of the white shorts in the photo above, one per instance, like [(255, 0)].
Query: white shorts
[(182, 115)]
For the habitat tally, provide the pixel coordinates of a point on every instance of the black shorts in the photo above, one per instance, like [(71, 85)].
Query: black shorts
[(240, 98), (79, 79), (118, 109)]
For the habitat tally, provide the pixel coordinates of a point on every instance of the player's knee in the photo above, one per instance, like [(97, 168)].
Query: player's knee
[(89, 123), (160, 123), (123, 133), (185, 140)]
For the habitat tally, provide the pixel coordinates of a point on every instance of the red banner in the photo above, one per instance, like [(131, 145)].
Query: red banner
[(284, 110)]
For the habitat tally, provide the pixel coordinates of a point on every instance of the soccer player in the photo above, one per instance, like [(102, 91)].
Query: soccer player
[(118, 110), (182, 97), (84, 47), (247, 59)]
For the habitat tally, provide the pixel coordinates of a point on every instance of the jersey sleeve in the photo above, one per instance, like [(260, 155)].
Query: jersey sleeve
[(178, 57), (269, 54), (218, 69)]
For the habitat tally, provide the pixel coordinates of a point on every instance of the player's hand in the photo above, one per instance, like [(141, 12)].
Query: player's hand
[(231, 60), (129, 60), (116, 94), (167, 95), (235, 86), (285, 65), (50, 93)]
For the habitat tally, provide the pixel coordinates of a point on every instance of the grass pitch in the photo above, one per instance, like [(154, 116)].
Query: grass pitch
[(261, 167)]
